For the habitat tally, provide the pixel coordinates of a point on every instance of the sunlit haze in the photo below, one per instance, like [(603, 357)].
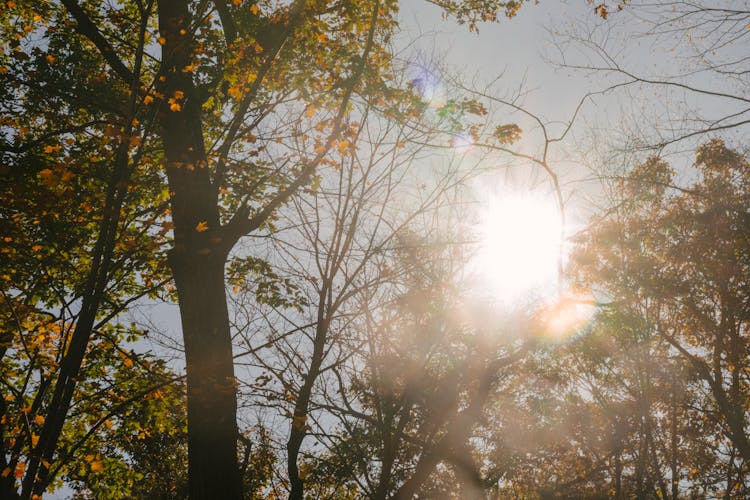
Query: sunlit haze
[(519, 245)]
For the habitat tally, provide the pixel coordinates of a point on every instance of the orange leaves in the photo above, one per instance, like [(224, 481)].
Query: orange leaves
[(53, 178), (173, 101), (95, 463), (235, 92), (254, 9), (39, 420), (201, 226), (20, 470), (50, 59), (48, 178)]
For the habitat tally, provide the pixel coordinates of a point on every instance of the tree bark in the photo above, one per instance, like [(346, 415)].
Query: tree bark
[(212, 407), (197, 261)]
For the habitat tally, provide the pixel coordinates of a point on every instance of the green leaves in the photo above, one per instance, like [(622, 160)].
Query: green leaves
[(258, 276)]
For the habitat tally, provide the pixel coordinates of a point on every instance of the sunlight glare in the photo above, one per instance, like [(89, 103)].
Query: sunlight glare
[(568, 315), (519, 247)]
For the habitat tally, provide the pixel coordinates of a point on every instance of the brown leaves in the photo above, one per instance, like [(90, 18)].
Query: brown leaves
[(507, 134)]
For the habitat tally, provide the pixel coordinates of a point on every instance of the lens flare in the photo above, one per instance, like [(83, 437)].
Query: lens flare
[(567, 316), (429, 86)]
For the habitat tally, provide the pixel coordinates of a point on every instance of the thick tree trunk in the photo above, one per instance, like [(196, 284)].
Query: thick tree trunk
[(212, 406), (197, 261)]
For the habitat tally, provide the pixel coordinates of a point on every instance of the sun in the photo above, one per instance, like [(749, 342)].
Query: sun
[(519, 247)]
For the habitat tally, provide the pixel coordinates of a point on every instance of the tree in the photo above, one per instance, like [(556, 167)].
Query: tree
[(81, 241), (672, 259), (700, 80)]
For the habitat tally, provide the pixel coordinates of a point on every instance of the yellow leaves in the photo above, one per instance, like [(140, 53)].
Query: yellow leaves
[(310, 111), (34, 439), (39, 420), (343, 146), (189, 68), (201, 226), (322, 37), (237, 3), (148, 99)]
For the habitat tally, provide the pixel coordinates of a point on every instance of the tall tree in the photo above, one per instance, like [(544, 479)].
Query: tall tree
[(673, 259)]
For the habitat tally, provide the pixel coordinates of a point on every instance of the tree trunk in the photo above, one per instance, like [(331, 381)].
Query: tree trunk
[(212, 404), (197, 261), (298, 429)]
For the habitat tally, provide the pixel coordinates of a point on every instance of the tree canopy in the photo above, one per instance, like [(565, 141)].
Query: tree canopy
[(305, 193)]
